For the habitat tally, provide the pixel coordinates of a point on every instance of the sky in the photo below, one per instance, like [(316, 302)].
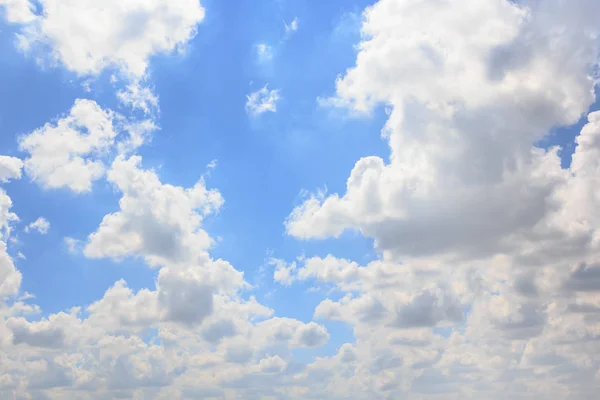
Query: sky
[(291, 199)]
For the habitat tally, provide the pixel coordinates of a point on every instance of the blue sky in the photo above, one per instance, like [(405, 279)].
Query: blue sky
[(351, 273), (262, 163)]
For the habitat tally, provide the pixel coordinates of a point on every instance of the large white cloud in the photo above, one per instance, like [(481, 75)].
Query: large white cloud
[(470, 88), (488, 280), (88, 37)]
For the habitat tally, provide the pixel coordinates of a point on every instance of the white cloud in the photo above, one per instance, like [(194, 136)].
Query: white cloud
[(454, 159), (67, 154), (48, 333), (10, 277), (212, 165), (137, 96), (10, 168), (264, 52), (18, 11), (41, 225), (73, 245), (481, 234), (157, 221), (87, 38), (70, 153), (271, 364), (261, 101), (283, 273), (488, 279), (292, 26)]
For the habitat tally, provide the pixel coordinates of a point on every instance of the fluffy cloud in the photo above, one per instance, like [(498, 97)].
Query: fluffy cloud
[(41, 225), (18, 11), (192, 331), (10, 277), (138, 96), (70, 153), (487, 282), (488, 274), (261, 101), (157, 221), (10, 168), (87, 38), (454, 159)]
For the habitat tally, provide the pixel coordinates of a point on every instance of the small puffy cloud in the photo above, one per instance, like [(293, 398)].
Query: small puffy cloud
[(10, 168), (137, 96), (41, 225), (261, 101), (284, 273), (68, 153), (87, 39), (18, 11), (73, 245), (264, 52)]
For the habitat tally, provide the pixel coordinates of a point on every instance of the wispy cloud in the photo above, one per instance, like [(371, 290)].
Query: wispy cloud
[(262, 100), (291, 27)]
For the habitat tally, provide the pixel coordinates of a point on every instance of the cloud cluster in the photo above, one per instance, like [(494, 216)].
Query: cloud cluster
[(487, 284), (199, 321), (488, 280), (71, 152)]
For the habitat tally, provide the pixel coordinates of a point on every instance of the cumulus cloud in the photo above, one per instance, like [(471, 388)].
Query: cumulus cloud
[(261, 101), (18, 11), (40, 334), (10, 168), (120, 35), (488, 246), (487, 278), (454, 160), (69, 153), (41, 225), (157, 221)]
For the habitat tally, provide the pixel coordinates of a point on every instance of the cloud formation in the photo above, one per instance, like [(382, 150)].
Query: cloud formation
[(119, 34), (487, 280), (261, 101)]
